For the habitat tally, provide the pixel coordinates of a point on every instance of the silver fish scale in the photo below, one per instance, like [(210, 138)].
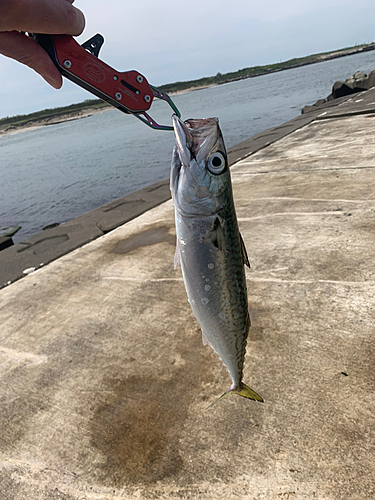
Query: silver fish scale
[(215, 282), (209, 247)]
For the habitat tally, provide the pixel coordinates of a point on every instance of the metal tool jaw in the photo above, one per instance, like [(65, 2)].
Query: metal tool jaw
[(127, 91)]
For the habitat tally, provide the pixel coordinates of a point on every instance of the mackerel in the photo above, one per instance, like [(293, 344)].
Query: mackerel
[(210, 248)]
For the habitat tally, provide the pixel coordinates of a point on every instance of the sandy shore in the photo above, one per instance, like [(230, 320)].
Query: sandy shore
[(14, 129), (75, 115), (191, 89)]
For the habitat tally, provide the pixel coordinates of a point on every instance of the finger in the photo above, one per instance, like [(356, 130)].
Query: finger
[(25, 50), (43, 16)]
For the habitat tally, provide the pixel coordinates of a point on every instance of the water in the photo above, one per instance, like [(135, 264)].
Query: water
[(55, 173)]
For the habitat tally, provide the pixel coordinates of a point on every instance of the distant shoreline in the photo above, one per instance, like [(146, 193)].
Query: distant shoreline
[(255, 71), (87, 108), (53, 120), (32, 124)]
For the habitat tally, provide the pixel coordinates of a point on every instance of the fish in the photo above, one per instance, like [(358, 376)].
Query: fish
[(210, 249)]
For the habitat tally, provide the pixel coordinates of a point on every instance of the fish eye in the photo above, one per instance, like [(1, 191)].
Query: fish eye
[(216, 163)]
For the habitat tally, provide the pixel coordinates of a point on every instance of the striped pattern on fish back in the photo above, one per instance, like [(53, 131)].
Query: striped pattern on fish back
[(215, 281), (238, 323)]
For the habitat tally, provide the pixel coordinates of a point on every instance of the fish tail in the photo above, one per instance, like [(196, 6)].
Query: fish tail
[(243, 391), (220, 398), (248, 393)]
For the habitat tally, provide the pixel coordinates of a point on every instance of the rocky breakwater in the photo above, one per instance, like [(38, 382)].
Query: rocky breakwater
[(355, 83), (6, 234)]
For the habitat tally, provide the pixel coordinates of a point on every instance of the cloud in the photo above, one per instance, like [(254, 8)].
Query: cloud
[(169, 41)]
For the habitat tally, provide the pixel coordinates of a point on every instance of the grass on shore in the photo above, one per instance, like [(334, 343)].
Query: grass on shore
[(263, 70), (48, 114), (20, 121)]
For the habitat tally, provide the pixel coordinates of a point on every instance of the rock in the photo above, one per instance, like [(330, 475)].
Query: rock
[(9, 231), (350, 82), (5, 242), (360, 85), (371, 79), (355, 83), (358, 82), (319, 102), (341, 89), (306, 109), (359, 75)]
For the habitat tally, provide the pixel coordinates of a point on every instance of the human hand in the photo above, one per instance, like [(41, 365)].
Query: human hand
[(52, 17)]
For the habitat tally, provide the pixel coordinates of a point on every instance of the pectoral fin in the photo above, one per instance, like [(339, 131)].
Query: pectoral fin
[(216, 235)]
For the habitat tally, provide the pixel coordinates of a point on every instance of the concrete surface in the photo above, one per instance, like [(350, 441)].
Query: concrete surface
[(104, 381), (44, 247)]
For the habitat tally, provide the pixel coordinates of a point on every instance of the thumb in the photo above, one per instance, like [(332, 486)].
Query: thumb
[(25, 50), (54, 17)]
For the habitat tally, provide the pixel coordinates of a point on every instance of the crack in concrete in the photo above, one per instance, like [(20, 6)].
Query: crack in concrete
[(307, 171), (153, 280), (311, 282), (307, 199), (247, 219)]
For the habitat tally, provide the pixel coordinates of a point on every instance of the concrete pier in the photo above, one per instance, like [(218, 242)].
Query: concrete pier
[(104, 381)]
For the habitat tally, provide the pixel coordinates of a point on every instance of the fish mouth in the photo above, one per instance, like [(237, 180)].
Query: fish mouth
[(200, 125), (194, 134), (195, 126)]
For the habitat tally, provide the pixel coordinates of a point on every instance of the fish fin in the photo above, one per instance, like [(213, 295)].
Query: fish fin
[(243, 391), (245, 258), (248, 393), (220, 398), (216, 235), (177, 260), (205, 341), (175, 169)]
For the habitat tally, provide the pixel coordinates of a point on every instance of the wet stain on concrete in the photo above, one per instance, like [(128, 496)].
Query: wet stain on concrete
[(255, 333), (256, 330), (138, 430), (139, 427), (146, 238)]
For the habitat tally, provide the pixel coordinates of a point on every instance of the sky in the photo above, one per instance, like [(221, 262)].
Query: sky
[(172, 40)]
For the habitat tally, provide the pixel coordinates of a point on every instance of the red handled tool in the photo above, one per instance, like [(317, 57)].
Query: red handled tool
[(129, 91)]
